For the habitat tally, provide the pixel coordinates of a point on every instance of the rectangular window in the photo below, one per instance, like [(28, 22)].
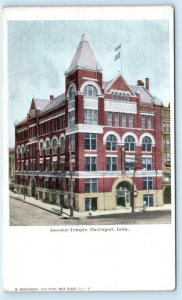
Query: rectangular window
[(90, 141), (33, 165), (63, 121), (167, 177), (54, 166), (146, 163), (41, 166), (91, 185), (40, 182), (72, 142), (109, 118), (147, 183), (168, 157), (26, 181), (46, 183), (148, 200), (90, 163), (62, 164), (130, 121), (166, 143), (123, 120), (53, 184), (90, 204), (116, 120), (111, 163), (143, 121), (167, 126), (129, 163), (149, 121), (72, 118), (90, 116), (47, 165), (164, 126), (26, 165)]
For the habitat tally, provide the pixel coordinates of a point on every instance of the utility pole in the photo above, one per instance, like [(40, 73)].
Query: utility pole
[(123, 160), (133, 187), (136, 161), (71, 184)]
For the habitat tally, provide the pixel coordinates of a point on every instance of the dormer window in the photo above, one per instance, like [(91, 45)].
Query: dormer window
[(90, 91)]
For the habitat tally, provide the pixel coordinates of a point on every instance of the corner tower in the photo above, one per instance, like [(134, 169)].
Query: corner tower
[(83, 83)]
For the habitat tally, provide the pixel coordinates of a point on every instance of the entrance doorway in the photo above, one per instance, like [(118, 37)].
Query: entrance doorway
[(90, 204), (148, 200), (123, 194), (32, 187)]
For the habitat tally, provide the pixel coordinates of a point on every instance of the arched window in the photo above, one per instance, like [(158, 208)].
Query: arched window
[(41, 147), (54, 146), (112, 95), (124, 97), (127, 97), (119, 96), (71, 93), (147, 144), (90, 91), (111, 142), (116, 96), (47, 147), (62, 144), (129, 143)]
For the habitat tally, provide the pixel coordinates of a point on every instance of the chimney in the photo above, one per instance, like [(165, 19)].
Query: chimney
[(140, 83), (147, 84), (51, 97)]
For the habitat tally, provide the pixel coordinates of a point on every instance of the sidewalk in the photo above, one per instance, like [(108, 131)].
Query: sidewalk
[(55, 209)]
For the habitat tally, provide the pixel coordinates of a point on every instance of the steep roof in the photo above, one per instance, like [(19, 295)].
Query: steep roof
[(24, 120), (40, 104), (84, 57), (145, 95), (55, 102), (105, 84)]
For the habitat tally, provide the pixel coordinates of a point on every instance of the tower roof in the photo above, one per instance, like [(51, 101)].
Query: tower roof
[(84, 57)]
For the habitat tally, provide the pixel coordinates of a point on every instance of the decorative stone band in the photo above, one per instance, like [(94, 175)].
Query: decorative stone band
[(115, 174), (84, 128), (95, 174), (119, 106), (22, 129), (91, 103)]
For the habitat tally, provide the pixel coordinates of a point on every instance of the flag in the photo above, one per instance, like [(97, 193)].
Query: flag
[(118, 47), (117, 56)]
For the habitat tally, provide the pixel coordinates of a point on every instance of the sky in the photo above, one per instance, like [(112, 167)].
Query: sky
[(39, 53)]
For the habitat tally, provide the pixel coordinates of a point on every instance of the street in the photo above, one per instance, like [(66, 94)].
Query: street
[(24, 214)]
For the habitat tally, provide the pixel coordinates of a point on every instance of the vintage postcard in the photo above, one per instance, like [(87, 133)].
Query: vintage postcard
[(88, 106)]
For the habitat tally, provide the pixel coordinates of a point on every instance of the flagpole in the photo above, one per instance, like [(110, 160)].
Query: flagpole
[(121, 59)]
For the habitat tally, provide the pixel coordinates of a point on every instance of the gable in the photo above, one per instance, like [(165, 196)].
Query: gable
[(119, 84), (32, 106)]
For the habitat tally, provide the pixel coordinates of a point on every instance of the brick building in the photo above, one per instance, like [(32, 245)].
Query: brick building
[(98, 143), (166, 153), (11, 152)]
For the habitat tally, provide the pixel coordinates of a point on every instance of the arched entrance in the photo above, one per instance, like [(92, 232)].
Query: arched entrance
[(33, 185), (123, 194)]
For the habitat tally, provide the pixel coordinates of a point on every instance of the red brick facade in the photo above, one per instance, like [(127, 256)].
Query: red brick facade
[(98, 111)]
